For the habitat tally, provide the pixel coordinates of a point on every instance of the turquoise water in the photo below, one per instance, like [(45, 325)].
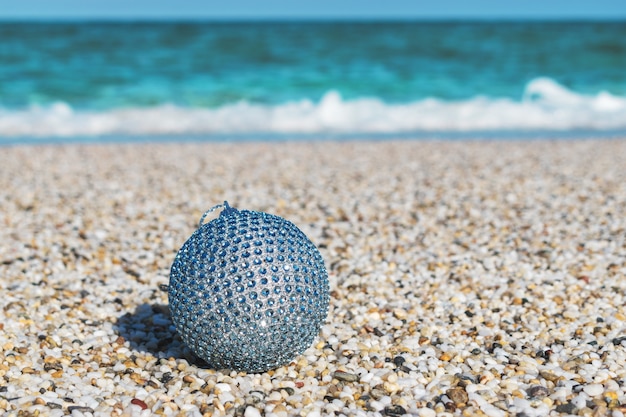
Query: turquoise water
[(282, 78)]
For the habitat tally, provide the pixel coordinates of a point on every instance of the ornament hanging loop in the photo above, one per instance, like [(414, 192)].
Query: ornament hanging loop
[(209, 211), (227, 211)]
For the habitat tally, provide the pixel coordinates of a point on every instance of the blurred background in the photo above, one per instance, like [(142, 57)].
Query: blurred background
[(81, 71)]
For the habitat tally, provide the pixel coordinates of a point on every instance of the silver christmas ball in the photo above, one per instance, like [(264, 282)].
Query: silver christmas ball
[(248, 291)]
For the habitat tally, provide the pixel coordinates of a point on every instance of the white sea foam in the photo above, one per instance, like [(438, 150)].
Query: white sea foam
[(544, 106)]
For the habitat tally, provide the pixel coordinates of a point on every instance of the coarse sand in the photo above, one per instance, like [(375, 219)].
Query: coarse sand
[(467, 277)]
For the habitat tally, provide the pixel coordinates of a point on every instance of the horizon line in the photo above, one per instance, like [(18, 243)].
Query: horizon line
[(306, 19)]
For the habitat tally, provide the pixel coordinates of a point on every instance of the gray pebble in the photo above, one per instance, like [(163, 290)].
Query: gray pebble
[(537, 391), (345, 376)]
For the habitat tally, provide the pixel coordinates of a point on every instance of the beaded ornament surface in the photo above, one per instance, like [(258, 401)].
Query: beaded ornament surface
[(248, 291)]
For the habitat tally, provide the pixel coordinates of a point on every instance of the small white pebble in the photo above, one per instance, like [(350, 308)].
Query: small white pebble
[(580, 400), (426, 412), (251, 412), (593, 390), (376, 405), (223, 387)]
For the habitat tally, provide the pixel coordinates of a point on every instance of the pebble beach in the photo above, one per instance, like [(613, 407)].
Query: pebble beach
[(467, 278)]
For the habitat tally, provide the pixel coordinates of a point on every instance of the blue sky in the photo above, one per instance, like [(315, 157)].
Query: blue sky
[(264, 9)]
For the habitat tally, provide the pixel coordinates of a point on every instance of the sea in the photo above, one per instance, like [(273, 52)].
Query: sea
[(272, 80)]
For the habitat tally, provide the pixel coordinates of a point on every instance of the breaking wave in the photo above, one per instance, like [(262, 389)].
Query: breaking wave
[(544, 106)]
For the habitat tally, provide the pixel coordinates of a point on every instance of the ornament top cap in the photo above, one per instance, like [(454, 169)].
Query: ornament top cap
[(228, 210)]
